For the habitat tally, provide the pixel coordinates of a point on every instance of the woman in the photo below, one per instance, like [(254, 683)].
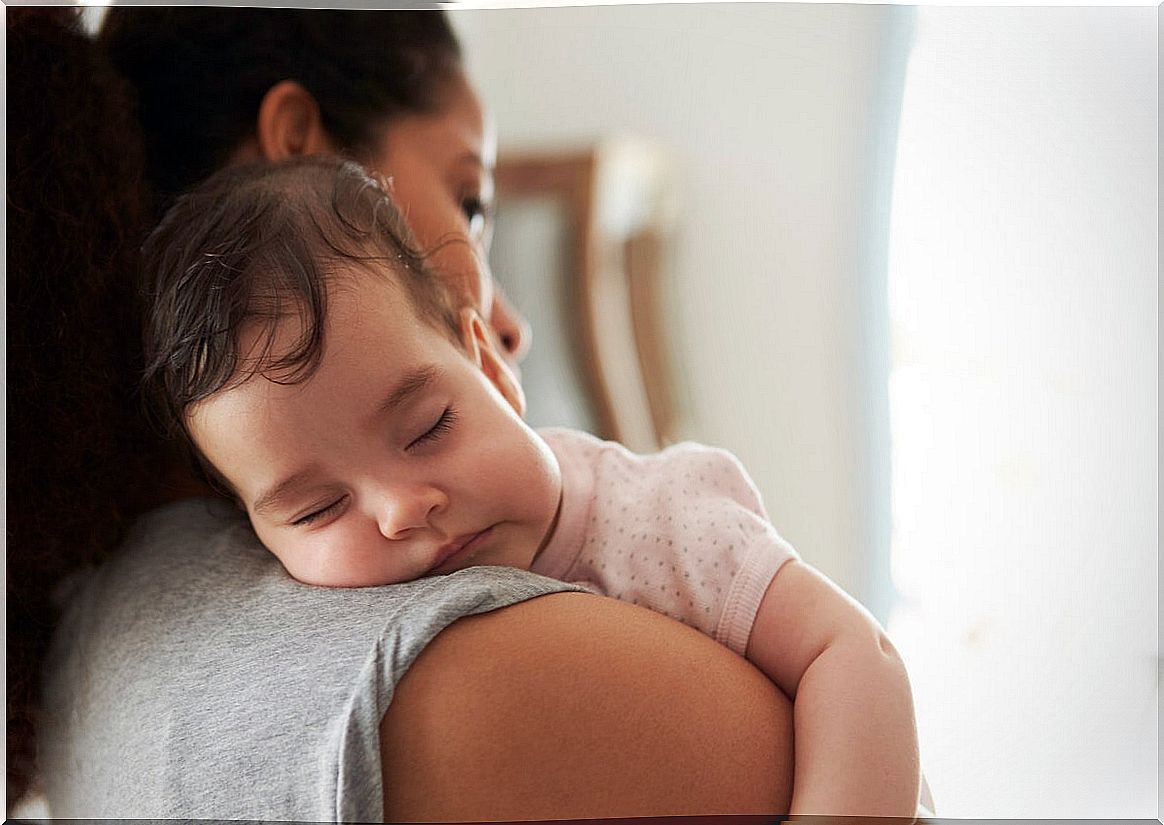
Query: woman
[(387, 90), (224, 690)]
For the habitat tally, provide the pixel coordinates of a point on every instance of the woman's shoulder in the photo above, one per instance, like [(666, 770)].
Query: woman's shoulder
[(202, 542), (193, 649), (516, 734), (197, 514)]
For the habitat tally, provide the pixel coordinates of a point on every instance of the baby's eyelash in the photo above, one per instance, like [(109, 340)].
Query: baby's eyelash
[(315, 515), (442, 426)]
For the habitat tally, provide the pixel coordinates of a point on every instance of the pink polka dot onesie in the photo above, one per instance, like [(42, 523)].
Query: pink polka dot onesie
[(682, 532)]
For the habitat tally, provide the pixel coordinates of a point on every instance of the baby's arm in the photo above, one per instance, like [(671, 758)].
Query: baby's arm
[(855, 738)]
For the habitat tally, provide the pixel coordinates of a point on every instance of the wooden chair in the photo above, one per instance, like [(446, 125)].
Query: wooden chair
[(581, 247)]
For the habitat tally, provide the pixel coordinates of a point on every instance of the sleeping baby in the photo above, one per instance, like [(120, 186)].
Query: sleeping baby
[(373, 434)]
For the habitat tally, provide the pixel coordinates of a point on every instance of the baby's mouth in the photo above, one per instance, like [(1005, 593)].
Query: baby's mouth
[(458, 550)]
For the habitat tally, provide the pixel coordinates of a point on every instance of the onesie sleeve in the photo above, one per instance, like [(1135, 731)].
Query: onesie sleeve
[(730, 548), (192, 678), (682, 532)]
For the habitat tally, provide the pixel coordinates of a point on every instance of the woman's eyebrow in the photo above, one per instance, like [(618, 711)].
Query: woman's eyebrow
[(410, 385), (471, 158)]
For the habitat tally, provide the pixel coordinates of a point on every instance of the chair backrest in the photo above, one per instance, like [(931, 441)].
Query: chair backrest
[(607, 214)]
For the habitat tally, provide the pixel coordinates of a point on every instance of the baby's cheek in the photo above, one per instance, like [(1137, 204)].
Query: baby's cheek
[(278, 550), (542, 479), (305, 571), (324, 561)]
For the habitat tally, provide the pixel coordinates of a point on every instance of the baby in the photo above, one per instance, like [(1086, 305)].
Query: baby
[(373, 433)]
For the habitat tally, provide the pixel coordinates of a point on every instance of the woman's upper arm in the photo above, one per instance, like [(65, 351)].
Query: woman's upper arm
[(575, 706)]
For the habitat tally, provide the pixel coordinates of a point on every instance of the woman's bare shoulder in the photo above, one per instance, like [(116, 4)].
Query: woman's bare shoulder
[(576, 706)]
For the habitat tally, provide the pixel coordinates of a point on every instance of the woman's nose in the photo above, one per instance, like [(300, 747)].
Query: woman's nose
[(403, 511), (513, 331)]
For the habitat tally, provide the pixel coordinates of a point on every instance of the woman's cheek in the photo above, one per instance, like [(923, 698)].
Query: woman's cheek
[(465, 276), (456, 256)]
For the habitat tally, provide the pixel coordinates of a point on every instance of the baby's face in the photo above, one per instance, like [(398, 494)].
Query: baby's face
[(400, 457)]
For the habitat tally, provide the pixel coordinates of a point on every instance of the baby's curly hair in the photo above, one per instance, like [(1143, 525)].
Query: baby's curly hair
[(256, 244)]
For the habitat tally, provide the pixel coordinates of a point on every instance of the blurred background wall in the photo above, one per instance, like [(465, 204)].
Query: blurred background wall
[(915, 288), (782, 118)]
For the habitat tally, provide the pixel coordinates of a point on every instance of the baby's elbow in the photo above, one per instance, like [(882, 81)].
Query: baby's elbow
[(869, 648), (890, 662), (873, 647), (887, 648)]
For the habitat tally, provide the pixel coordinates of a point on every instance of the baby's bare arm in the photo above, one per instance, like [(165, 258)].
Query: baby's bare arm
[(856, 740), (575, 706)]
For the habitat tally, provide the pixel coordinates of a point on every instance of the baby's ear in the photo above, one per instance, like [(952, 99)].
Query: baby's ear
[(483, 352)]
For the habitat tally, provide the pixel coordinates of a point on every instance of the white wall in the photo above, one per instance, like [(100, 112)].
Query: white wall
[(1026, 531), (782, 117), (1025, 284)]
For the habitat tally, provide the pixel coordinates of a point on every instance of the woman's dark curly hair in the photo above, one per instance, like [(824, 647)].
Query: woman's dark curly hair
[(201, 73), (79, 453), (84, 181)]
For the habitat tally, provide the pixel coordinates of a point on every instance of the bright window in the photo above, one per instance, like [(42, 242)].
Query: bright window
[(1023, 392)]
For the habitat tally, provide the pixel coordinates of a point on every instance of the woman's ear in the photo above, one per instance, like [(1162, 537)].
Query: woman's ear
[(483, 352), (289, 123)]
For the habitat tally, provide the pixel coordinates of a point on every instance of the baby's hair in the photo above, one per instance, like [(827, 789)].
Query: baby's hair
[(254, 245)]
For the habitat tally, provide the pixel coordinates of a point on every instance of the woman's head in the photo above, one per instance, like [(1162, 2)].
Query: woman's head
[(219, 86), (201, 74)]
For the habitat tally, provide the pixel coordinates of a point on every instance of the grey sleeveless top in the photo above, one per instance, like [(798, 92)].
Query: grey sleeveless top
[(192, 678)]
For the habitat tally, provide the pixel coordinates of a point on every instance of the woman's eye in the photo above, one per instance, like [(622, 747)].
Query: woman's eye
[(473, 207), (316, 515), (438, 429), (476, 213)]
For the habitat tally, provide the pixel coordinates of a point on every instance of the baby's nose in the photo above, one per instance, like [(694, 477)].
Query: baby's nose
[(405, 511)]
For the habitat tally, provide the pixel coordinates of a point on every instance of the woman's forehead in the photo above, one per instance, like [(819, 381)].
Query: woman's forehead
[(459, 128)]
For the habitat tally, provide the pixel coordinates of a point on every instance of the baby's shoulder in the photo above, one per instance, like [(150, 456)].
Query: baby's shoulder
[(703, 471), (685, 471)]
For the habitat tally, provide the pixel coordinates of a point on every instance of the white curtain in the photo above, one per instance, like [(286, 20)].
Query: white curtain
[(1024, 288)]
